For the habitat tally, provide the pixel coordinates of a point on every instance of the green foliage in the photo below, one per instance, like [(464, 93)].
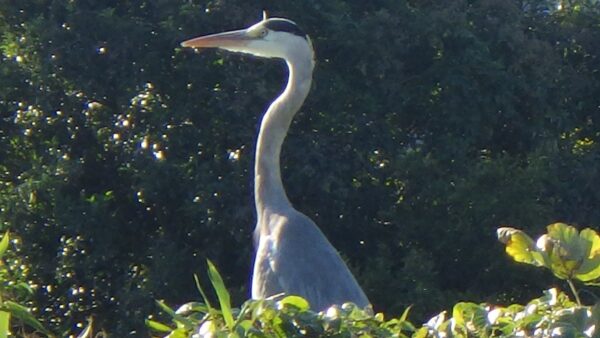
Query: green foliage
[(125, 161), (222, 294), (552, 315), (13, 315), (283, 316), (567, 253)]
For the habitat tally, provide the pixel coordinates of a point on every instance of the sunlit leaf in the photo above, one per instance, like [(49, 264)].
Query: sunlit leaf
[(4, 243), (421, 333), (178, 333), (469, 313), (176, 317), (166, 308), (572, 254), (201, 290), (4, 324), (21, 312), (295, 301), (592, 241), (156, 326), (222, 294), (570, 248), (519, 246), (404, 315), (589, 270)]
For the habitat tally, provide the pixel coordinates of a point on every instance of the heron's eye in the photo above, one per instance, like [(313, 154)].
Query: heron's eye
[(263, 32)]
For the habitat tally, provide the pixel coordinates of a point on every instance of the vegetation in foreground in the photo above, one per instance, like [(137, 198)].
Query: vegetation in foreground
[(570, 255)]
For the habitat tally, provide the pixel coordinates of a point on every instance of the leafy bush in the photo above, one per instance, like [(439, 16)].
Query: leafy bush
[(126, 161), (14, 289), (567, 253)]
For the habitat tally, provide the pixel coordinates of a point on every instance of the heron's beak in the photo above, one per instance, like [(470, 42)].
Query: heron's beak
[(229, 40)]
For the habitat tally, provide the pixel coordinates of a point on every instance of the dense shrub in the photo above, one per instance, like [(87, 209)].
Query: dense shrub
[(125, 161), (569, 254)]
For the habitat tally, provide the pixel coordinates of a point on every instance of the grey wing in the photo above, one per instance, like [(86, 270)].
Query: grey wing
[(306, 264)]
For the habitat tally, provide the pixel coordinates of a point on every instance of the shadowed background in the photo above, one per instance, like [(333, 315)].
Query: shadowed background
[(126, 161)]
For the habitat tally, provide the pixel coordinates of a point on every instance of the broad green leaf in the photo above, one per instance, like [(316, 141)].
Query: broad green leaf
[(570, 252), (156, 326), (561, 267), (469, 314), (519, 246), (479, 317), (4, 324), (592, 240), (4, 243), (570, 247), (541, 258), (222, 294), (566, 252), (589, 270), (295, 301), (21, 312), (561, 231)]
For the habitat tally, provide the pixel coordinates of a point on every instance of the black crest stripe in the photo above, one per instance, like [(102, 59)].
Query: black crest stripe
[(282, 25)]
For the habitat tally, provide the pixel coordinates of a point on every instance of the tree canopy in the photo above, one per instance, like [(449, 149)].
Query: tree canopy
[(126, 161)]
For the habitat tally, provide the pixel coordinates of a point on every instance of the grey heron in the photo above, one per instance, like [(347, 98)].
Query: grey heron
[(293, 256)]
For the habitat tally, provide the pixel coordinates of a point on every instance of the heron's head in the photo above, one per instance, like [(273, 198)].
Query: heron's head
[(270, 38)]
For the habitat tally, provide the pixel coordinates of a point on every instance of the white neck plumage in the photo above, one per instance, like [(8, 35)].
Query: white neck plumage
[(269, 193)]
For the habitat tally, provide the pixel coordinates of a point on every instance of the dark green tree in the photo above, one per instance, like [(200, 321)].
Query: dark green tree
[(125, 161)]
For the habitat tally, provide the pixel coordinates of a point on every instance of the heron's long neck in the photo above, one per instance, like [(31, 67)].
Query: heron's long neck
[(268, 187)]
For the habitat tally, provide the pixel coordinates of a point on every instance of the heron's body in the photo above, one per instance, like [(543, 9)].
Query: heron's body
[(294, 257), (292, 254)]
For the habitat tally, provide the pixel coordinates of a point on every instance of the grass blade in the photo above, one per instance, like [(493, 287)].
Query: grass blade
[(4, 244), (4, 324), (23, 314), (176, 317), (157, 326), (222, 294), (199, 287)]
